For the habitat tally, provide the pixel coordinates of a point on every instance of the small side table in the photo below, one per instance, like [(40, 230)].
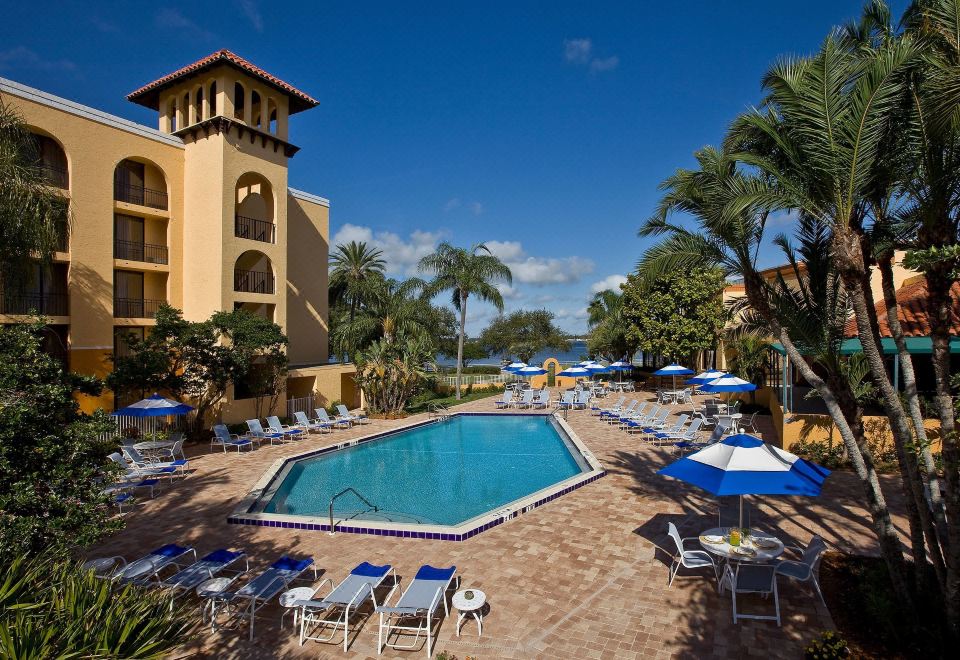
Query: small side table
[(288, 601), (212, 591), (472, 606)]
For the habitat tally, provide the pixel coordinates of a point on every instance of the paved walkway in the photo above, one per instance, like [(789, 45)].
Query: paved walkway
[(584, 576)]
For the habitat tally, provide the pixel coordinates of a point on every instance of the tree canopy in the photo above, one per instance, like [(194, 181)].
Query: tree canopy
[(523, 334)]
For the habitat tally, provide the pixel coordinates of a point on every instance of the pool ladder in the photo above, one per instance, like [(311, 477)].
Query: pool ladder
[(350, 489), (438, 411)]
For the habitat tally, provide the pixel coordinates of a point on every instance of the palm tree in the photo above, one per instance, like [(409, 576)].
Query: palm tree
[(602, 306), (354, 269), (609, 333), (31, 212), (464, 273)]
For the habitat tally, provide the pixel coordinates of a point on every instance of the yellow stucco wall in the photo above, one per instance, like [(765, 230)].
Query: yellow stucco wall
[(306, 285)]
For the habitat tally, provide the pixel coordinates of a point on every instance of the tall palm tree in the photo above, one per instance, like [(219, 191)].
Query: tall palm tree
[(355, 268), (31, 212), (464, 273), (602, 306)]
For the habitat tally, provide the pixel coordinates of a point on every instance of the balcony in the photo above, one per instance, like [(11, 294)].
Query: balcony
[(137, 251), (253, 281), (48, 304), (256, 230), (54, 175), (63, 237), (135, 308), (133, 194)]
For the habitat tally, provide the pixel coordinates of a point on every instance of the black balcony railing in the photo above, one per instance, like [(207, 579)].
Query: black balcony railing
[(136, 251), (155, 199), (49, 304), (256, 230), (252, 281), (55, 176), (135, 308)]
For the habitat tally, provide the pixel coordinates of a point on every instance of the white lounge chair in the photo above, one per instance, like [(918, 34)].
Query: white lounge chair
[(311, 425), (506, 400), (612, 410), (566, 400), (148, 567), (692, 445), (289, 431), (133, 473), (665, 432), (688, 434), (223, 437), (582, 400), (141, 462), (334, 610), (324, 418), (542, 400), (648, 424), (638, 412), (354, 419), (256, 431), (255, 594), (526, 399), (416, 608), (687, 558), (209, 566)]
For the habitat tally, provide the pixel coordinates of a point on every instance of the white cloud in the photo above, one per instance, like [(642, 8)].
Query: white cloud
[(580, 52), (540, 271), (173, 19), (577, 50), (476, 208), (610, 282), (402, 255), (578, 314), (452, 203), (21, 57), (250, 9), (509, 292)]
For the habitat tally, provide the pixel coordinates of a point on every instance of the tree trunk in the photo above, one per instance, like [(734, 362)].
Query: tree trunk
[(932, 488), (463, 331), (891, 548)]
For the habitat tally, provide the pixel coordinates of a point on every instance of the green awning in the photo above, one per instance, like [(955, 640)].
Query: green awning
[(915, 346)]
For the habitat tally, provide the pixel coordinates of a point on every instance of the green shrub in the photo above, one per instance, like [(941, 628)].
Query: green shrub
[(829, 455), (827, 646), (55, 609)]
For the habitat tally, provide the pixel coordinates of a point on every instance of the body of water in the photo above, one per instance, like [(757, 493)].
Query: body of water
[(577, 352)]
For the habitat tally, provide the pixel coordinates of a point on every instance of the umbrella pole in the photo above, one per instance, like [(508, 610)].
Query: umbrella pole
[(741, 514)]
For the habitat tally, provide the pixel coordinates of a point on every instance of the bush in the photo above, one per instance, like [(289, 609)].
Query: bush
[(827, 646), (54, 609), (828, 455)]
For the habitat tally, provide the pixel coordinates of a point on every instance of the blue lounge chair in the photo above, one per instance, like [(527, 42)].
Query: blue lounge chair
[(212, 564), (223, 437), (131, 473), (148, 568), (276, 427), (325, 418), (506, 400), (333, 611), (140, 462), (354, 419), (263, 588), (310, 425), (416, 608), (256, 431)]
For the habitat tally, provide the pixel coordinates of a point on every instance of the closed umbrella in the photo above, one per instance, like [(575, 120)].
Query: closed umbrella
[(673, 370), (746, 465)]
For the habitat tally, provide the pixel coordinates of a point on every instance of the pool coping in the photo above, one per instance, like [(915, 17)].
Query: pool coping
[(242, 514)]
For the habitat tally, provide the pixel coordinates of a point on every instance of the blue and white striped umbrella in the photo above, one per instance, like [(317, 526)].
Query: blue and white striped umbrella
[(513, 366), (526, 372), (673, 370), (621, 366), (153, 406), (586, 362), (705, 377), (574, 372), (728, 383), (597, 368), (745, 465)]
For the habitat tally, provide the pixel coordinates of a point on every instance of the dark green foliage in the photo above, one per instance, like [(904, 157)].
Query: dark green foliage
[(523, 334), (50, 455), (52, 608)]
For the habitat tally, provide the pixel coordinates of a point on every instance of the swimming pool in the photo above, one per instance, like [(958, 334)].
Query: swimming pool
[(458, 474)]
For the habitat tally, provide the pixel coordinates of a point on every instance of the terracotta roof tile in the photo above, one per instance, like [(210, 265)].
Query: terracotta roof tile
[(912, 311), (149, 94)]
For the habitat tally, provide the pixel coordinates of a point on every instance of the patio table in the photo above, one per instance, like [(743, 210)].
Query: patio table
[(153, 445), (725, 550), (672, 394), (734, 419)]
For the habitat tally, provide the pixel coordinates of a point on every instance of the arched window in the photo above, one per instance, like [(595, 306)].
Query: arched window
[(254, 209), (255, 117), (198, 103), (272, 115), (52, 161), (172, 115), (213, 99), (239, 101)]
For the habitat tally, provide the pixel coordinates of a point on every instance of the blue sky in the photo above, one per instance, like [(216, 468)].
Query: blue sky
[(540, 128)]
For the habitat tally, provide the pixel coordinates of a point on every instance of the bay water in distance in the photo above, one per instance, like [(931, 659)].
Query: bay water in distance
[(576, 352)]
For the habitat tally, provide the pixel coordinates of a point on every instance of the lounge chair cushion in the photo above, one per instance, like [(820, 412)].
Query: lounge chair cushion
[(428, 572), (290, 564), (170, 550), (369, 570), (222, 556)]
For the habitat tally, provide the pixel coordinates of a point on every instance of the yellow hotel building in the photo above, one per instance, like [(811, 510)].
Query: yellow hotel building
[(196, 213)]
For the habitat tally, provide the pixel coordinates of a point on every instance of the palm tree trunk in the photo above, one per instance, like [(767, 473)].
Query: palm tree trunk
[(932, 489), (463, 330)]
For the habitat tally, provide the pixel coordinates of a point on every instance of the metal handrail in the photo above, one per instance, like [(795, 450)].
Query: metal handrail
[(438, 410), (349, 489)]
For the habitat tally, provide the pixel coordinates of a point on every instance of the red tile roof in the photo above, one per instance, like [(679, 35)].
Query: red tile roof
[(149, 94), (912, 311)]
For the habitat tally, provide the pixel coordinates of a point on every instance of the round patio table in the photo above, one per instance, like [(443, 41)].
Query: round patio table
[(756, 542), (734, 421), (153, 445), (473, 606)]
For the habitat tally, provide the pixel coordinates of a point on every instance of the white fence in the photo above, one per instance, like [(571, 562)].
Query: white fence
[(477, 379), (144, 426), (303, 404)]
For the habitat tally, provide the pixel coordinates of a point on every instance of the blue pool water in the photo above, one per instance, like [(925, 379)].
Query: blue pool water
[(443, 473)]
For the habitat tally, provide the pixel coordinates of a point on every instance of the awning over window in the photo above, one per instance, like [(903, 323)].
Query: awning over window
[(915, 346)]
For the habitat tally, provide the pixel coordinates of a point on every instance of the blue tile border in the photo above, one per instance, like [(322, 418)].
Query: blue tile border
[(256, 519)]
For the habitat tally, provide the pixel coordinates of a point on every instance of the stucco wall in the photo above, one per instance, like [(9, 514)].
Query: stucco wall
[(306, 285)]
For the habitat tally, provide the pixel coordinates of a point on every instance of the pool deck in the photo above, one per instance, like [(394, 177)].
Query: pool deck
[(584, 576)]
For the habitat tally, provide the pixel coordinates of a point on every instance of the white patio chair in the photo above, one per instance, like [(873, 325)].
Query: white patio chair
[(223, 437), (808, 568), (687, 558), (742, 578), (750, 424)]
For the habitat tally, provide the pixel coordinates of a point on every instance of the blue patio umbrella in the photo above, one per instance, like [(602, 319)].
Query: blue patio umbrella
[(527, 372), (576, 372), (745, 465), (596, 368), (705, 377), (621, 366), (673, 370), (586, 362), (513, 366), (153, 406), (728, 383)]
